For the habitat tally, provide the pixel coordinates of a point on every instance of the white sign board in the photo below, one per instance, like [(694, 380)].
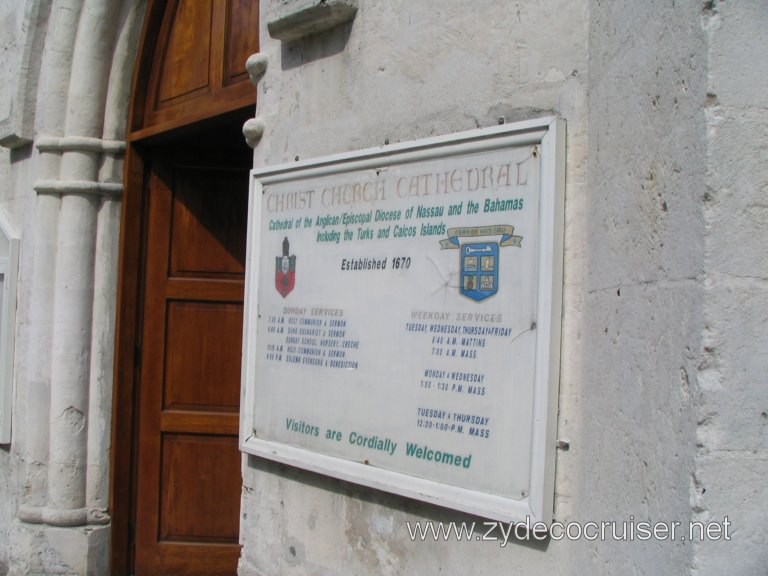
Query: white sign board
[(403, 317)]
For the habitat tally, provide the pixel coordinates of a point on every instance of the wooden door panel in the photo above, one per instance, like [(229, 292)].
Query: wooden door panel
[(192, 288), (185, 64), (188, 478), (180, 250), (241, 22), (208, 227), (198, 67), (201, 422), (203, 372), (182, 559), (187, 510)]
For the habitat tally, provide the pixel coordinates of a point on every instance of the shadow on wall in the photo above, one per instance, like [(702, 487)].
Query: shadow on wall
[(19, 155), (413, 510), (315, 47)]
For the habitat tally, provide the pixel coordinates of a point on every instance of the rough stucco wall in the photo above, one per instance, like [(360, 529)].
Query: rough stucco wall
[(7, 498), (12, 38), (17, 199), (406, 70), (10, 19), (732, 460), (6, 509), (17, 176), (642, 315)]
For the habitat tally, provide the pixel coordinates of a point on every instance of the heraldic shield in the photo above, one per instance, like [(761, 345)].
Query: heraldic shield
[(479, 270), (285, 271)]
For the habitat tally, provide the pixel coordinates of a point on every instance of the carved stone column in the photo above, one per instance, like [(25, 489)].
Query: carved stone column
[(80, 125)]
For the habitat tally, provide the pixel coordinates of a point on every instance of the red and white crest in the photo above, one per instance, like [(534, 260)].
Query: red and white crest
[(285, 271)]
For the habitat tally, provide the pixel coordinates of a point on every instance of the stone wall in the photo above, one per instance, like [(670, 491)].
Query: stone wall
[(663, 395), (405, 70), (662, 398), (732, 394), (644, 288)]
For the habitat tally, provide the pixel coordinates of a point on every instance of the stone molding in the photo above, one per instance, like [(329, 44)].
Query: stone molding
[(62, 187), (62, 518), (80, 144)]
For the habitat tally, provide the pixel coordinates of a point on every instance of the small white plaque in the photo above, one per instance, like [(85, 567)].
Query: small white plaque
[(9, 265), (403, 317)]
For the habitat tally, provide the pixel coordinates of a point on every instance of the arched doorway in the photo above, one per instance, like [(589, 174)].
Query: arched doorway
[(176, 465)]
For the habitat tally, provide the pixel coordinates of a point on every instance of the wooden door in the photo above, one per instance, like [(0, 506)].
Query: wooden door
[(188, 464)]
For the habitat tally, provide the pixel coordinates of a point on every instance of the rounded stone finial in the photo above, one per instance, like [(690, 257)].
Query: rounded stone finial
[(256, 66), (253, 129)]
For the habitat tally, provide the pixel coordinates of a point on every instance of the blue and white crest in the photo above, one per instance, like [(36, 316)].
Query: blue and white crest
[(479, 270), (479, 261)]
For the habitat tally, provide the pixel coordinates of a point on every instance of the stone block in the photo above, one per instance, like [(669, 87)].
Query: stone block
[(292, 20)]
